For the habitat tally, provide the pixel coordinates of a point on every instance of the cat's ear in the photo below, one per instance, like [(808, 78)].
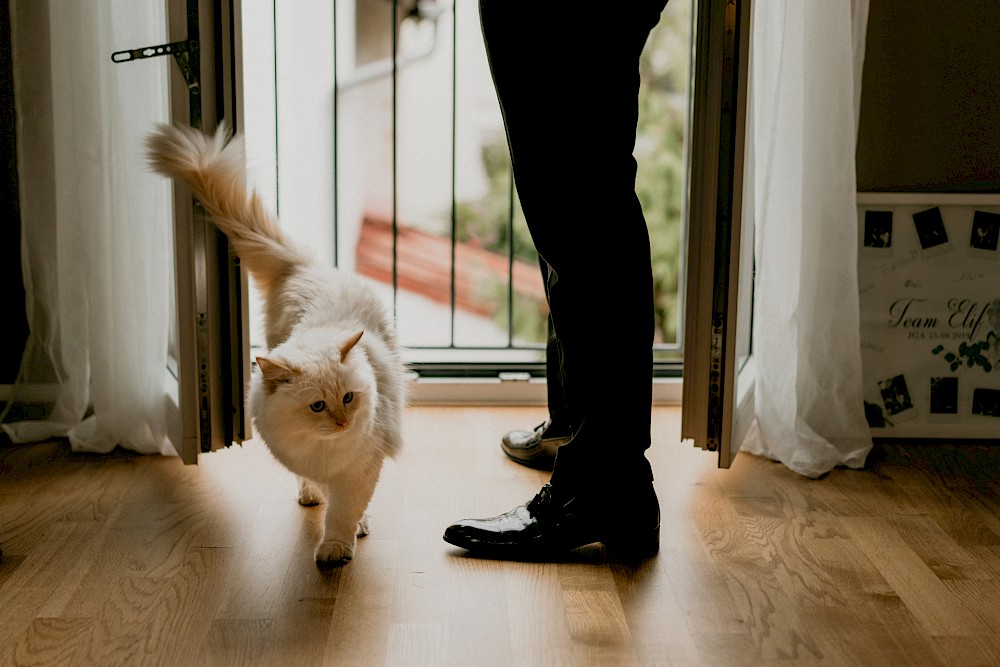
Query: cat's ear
[(351, 342), (274, 372)]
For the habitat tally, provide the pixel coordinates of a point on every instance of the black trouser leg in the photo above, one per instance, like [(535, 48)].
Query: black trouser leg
[(567, 77), (555, 395)]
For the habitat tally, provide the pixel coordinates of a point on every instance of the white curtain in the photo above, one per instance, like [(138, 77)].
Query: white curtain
[(96, 239), (806, 79)]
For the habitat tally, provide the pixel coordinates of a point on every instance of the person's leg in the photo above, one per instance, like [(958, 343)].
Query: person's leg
[(567, 82), (555, 394), (537, 448)]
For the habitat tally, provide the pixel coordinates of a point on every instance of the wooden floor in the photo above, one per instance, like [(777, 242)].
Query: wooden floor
[(129, 560)]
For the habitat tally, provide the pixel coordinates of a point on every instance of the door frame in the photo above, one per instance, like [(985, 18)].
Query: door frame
[(212, 364), (717, 398)]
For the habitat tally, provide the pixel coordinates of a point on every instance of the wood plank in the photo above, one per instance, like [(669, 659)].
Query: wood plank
[(235, 642), (417, 644), (870, 624), (536, 613), (970, 650), (122, 615), (927, 598), (854, 635), (42, 574), (49, 642), (936, 548)]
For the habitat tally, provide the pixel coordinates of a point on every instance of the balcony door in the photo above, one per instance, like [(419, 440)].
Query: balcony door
[(208, 361), (211, 343), (717, 402)]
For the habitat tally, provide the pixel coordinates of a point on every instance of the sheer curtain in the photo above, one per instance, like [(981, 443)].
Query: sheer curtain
[(806, 74), (96, 239)]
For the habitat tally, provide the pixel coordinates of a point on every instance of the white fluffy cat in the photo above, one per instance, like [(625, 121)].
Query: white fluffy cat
[(329, 396)]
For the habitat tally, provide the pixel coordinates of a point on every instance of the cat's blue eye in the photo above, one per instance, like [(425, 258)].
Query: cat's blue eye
[(348, 397), (318, 406)]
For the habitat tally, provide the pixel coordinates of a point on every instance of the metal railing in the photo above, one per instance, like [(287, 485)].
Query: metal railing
[(434, 215)]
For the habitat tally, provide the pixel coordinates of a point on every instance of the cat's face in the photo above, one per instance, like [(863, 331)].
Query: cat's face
[(320, 388)]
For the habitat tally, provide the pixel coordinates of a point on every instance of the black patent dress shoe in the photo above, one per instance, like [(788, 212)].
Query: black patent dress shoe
[(552, 524), (535, 448)]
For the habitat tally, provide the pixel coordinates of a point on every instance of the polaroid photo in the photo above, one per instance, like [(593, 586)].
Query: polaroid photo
[(984, 241), (986, 403), (944, 399), (931, 232), (896, 398), (876, 233)]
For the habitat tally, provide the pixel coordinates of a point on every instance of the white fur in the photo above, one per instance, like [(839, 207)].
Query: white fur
[(313, 315)]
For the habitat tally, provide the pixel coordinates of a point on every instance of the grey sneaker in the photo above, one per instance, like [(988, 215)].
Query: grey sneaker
[(535, 448)]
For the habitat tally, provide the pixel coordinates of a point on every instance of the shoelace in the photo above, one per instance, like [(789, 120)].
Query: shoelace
[(547, 504)]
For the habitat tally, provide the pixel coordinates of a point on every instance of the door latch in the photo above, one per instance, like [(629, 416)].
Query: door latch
[(183, 53)]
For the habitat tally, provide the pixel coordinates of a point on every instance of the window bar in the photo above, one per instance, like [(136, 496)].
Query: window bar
[(395, 220), (510, 260), (336, 152), (277, 162), (454, 141)]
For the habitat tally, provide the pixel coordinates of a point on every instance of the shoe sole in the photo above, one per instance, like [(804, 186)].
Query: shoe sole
[(541, 461), (630, 549)]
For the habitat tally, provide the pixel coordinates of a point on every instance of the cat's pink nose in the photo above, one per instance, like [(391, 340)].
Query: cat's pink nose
[(341, 422)]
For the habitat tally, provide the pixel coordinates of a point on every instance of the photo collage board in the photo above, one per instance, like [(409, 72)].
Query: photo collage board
[(929, 285)]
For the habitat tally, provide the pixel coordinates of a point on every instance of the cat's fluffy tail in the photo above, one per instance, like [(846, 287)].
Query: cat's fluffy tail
[(214, 167)]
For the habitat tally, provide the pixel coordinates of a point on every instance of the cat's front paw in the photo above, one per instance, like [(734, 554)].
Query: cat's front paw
[(309, 494), (334, 553), (363, 526)]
